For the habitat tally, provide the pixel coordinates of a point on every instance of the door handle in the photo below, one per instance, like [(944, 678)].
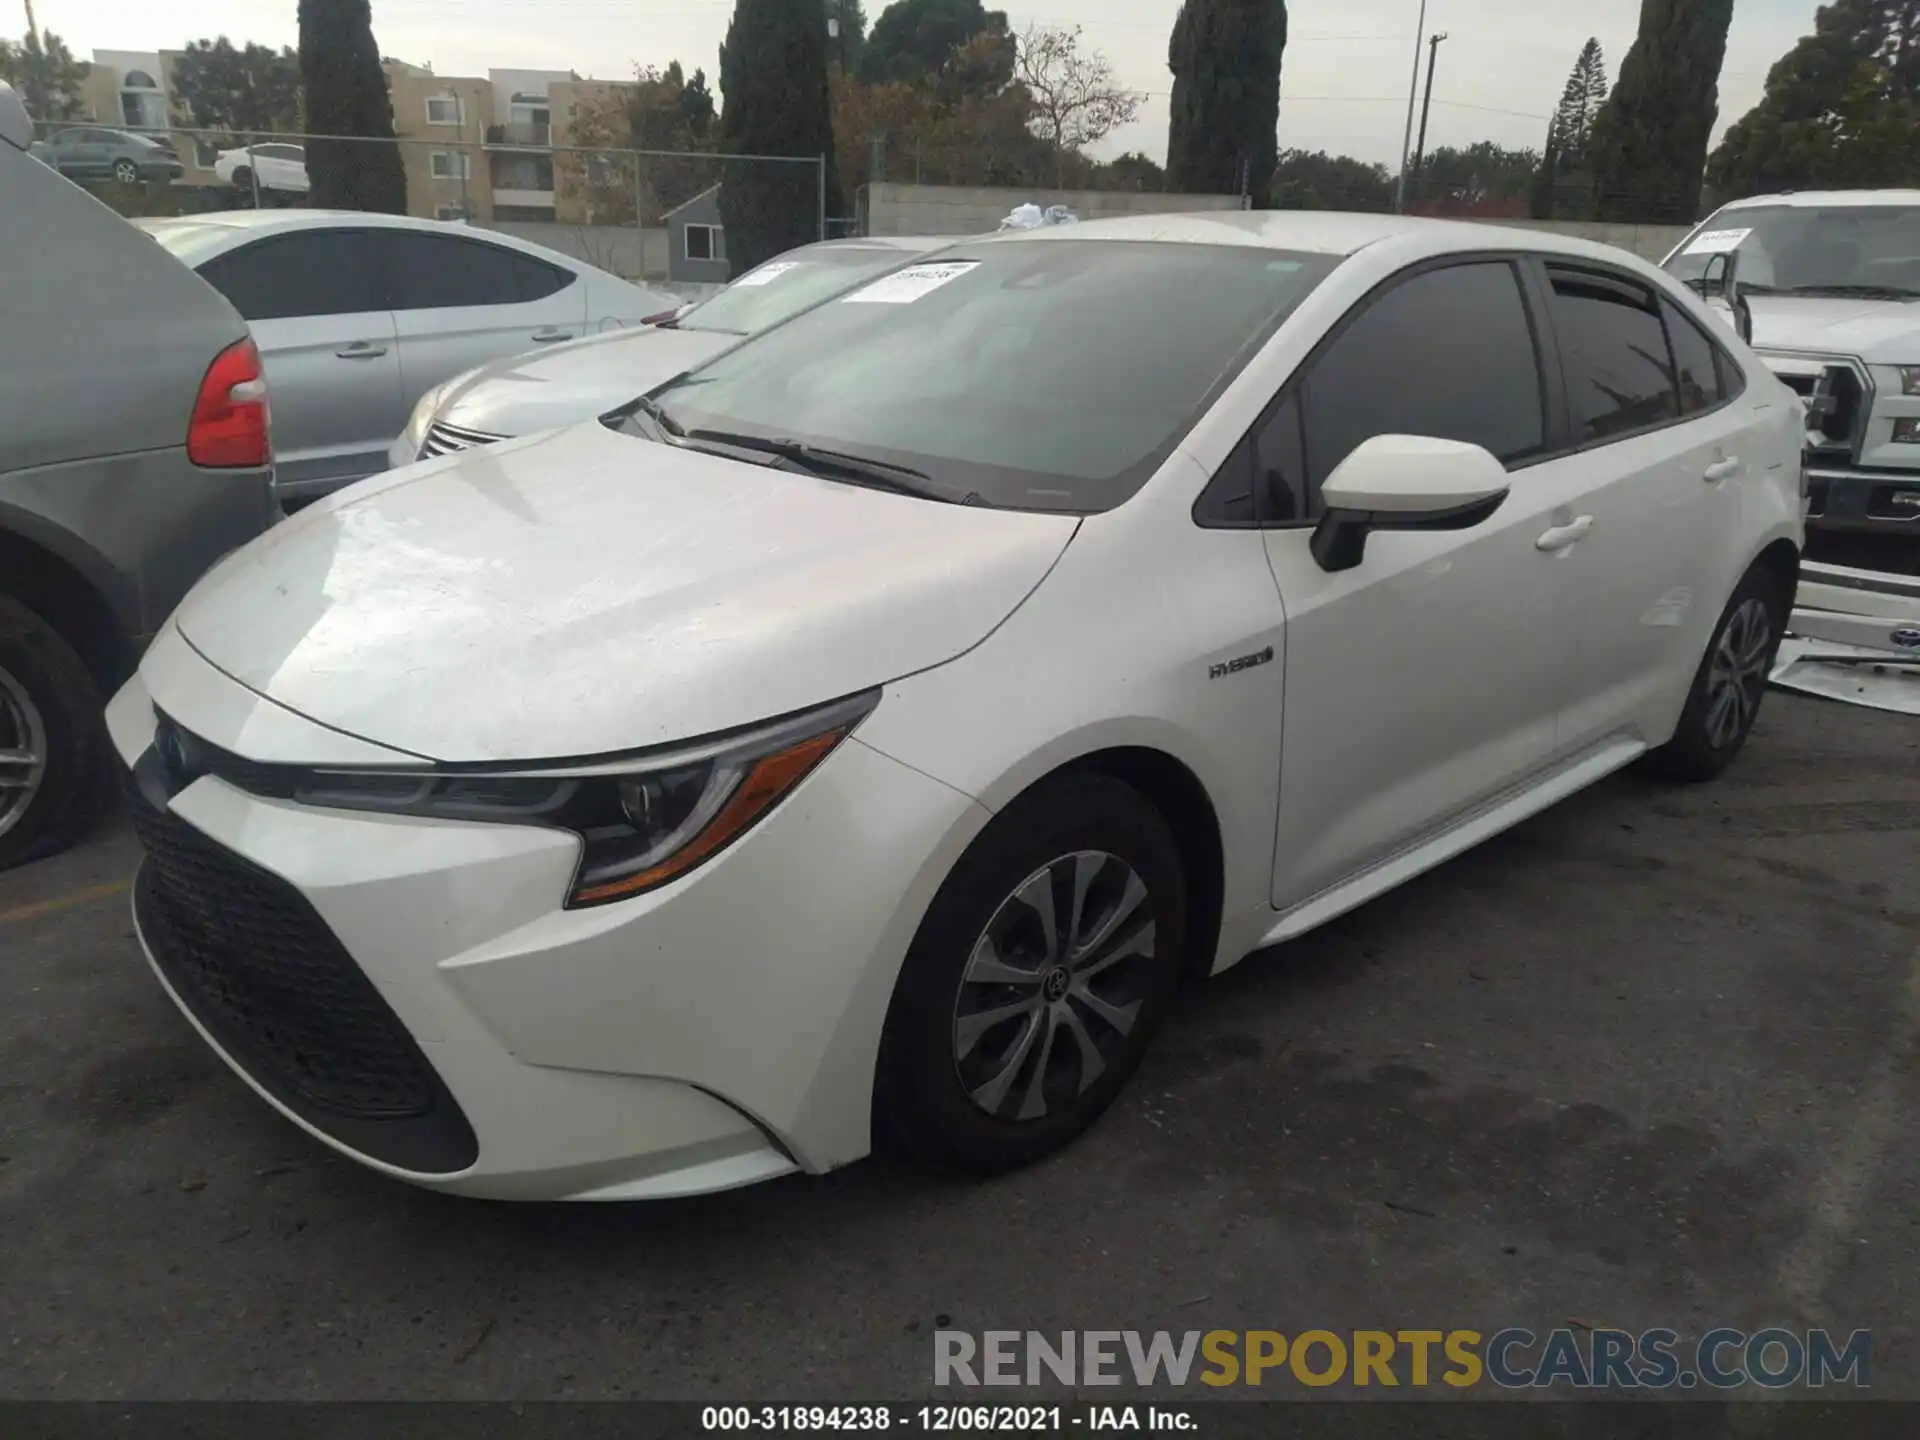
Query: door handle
[(1722, 470), (548, 337), (362, 350), (1565, 537)]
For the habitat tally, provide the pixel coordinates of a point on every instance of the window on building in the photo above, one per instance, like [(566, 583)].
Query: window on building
[(449, 212), (451, 165), (706, 242), (444, 110)]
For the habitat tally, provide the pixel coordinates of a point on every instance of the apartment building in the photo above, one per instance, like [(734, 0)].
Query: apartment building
[(479, 147)]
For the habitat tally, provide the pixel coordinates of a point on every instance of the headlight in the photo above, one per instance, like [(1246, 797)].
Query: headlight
[(642, 821), (429, 405), (1909, 379)]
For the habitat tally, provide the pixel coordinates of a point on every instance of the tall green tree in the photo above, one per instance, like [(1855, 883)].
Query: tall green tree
[(1225, 56), (1841, 109), (345, 94), (773, 75), (217, 86), (912, 40), (1563, 166), (47, 76), (846, 34), (1482, 178), (1649, 143), (696, 105)]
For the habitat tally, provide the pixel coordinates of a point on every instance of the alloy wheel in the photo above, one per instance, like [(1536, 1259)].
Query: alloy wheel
[(1738, 676), (126, 172), (23, 751), (1054, 986)]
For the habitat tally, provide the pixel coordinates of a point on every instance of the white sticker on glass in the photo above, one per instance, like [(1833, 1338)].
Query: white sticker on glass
[(1717, 242), (903, 287), (768, 273)]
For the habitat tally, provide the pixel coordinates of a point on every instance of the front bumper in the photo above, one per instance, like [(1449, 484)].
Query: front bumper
[(1854, 636), (716, 1032)]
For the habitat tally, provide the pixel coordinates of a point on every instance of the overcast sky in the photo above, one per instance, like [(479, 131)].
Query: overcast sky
[(1344, 87)]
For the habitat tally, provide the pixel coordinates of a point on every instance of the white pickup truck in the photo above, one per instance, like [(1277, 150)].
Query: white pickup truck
[(1829, 285)]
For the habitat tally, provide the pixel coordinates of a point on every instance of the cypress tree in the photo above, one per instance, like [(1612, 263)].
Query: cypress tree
[(1841, 109), (1649, 144), (346, 94), (773, 84), (1225, 56)]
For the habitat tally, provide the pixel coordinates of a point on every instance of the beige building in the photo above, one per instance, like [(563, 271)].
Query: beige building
[(481, 147)]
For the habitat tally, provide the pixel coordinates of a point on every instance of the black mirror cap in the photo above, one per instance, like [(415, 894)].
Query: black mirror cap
[(1340, 539)]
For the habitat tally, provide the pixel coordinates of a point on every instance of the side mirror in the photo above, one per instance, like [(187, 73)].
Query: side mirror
[(1404, 482), (16, 126)]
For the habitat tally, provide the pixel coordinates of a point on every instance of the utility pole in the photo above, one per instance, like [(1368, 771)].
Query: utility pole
[(1426, 109), (1413, 96), (33, 30)]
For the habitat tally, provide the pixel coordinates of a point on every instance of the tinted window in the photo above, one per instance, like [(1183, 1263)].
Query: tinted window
[(1448, 354), (436, 272), (1037, 373), (317, 272), (539, 279), (1280, 466), (1619, 374), (1694, 361)]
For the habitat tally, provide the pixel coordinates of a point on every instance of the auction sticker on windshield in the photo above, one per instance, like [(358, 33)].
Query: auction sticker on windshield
[(903, 287), (767, 274), (1717, 242)]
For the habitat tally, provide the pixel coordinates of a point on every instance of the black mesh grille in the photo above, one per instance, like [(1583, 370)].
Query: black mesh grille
[(264, 974)]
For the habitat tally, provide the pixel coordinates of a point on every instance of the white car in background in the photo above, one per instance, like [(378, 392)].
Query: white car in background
[(358, 315), (867, 731), (1830, 282), (278, 167), (525, 393)]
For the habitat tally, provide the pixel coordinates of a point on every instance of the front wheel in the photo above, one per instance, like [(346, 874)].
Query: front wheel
[(1036, 980), (1730, 684), (126, 172)]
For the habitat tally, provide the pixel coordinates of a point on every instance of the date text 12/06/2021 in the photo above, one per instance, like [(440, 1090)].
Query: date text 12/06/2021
[(948, 1419)]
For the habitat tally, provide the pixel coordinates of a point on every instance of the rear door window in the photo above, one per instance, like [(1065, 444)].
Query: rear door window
[(1614, 350), (1696, 361), (443, 272)]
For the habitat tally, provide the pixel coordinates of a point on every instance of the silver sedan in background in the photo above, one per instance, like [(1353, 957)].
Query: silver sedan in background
[(358, 315), (570, 383)]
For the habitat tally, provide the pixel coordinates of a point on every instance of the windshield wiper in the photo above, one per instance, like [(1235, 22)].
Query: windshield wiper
[(829, 464), (656, 412), (1863, 292)]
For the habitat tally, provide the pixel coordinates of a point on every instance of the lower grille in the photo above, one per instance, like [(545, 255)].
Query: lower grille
[(259, 968), (449, 439)]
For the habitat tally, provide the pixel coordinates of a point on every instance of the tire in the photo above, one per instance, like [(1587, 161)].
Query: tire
[(49, 706), (1730, 683), (993, 1095), (126, 172), (243, 180)]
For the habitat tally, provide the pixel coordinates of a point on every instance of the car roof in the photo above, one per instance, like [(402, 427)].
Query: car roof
[(1314, 232), (1827, 199), (217, 231)]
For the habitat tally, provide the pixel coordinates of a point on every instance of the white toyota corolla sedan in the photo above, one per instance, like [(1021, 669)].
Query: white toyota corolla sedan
[(860, 736)]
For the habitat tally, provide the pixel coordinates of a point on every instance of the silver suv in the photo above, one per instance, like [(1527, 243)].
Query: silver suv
[(134, 452)]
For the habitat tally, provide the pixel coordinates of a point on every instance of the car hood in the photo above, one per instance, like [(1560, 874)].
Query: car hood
[(584, 592), (1880, 332), (575, 381)]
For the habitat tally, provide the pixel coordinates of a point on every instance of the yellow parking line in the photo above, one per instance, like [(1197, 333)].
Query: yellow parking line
[(64, 902)]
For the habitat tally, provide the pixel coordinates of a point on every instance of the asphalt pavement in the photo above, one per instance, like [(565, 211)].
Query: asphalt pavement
[(1648, 1060)]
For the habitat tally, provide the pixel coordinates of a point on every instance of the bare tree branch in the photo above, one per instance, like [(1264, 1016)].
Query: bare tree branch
[(1077, 100)]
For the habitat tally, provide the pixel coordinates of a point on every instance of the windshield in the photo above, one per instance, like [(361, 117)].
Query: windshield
[(1811, 249), (765, 296), (1031, 374)]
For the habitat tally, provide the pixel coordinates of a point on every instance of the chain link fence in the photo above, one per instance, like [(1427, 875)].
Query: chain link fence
[(692, 219)]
